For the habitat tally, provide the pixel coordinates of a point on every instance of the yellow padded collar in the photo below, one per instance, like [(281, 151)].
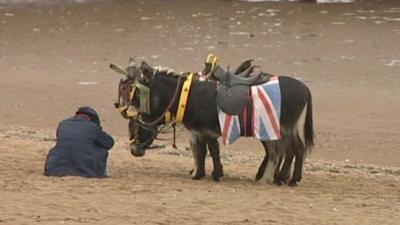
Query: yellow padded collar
[(183, 98)]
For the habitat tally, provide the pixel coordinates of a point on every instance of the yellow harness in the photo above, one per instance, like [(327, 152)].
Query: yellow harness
[(213, 60), (169, 118)]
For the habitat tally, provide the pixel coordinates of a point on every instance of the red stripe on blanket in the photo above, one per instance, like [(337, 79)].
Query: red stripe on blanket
[(227, 125), (270, 113)]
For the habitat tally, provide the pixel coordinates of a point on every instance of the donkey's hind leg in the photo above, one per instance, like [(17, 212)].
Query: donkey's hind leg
[(288, 143), (263, 165), (261, 168), (213, 147), (284, 173), (199, 151), (300, 150), (272, 154)]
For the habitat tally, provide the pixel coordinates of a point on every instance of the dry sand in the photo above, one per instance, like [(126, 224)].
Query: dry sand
[(54, 58)]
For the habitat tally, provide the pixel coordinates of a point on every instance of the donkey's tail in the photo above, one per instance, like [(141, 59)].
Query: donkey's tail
[(308, 126)]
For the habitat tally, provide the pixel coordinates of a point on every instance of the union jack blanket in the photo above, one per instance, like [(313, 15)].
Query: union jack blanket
[(261, 119)]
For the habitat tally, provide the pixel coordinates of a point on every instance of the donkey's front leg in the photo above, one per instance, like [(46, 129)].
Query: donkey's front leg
[(213, 147), (199, 151)]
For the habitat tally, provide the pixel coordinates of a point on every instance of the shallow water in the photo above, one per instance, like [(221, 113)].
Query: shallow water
[(21, 2), (86, 1)]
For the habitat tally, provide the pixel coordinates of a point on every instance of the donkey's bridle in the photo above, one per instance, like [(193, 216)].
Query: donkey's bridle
[(168, 108), (152, 126), (122, 109)]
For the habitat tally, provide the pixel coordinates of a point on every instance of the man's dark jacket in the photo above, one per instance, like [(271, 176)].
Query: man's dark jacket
[(81, 149)]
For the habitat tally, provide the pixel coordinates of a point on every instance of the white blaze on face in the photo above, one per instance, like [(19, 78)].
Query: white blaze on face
[(122, 101)]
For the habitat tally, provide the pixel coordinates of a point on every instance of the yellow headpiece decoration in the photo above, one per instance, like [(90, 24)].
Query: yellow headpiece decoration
[(213, 60)]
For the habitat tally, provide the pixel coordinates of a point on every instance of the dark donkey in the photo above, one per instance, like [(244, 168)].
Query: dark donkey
[(201, 120)]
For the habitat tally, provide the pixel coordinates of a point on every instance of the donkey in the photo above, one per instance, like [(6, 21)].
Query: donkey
[(290, 144), (201, 119)]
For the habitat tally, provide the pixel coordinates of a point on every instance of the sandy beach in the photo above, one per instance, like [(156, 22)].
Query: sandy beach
[(54, 57)]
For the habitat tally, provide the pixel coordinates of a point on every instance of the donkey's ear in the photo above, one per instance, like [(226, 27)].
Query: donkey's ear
[(118, 69), (147, 71), (244, 66), (132, 62)]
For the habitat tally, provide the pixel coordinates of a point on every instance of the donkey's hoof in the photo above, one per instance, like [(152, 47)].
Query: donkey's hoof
[(217, 175), (292, 183), (216, 179), (283, 179), (278, 182), (197, 175), (259, 176)]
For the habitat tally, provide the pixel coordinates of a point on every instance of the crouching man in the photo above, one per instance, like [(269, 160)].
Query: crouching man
[(82, 147)]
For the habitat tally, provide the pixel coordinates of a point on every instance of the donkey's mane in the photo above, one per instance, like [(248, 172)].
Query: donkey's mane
[(166, 71)]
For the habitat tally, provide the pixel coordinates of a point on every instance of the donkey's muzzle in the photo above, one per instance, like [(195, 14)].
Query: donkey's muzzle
[(137, 150)]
